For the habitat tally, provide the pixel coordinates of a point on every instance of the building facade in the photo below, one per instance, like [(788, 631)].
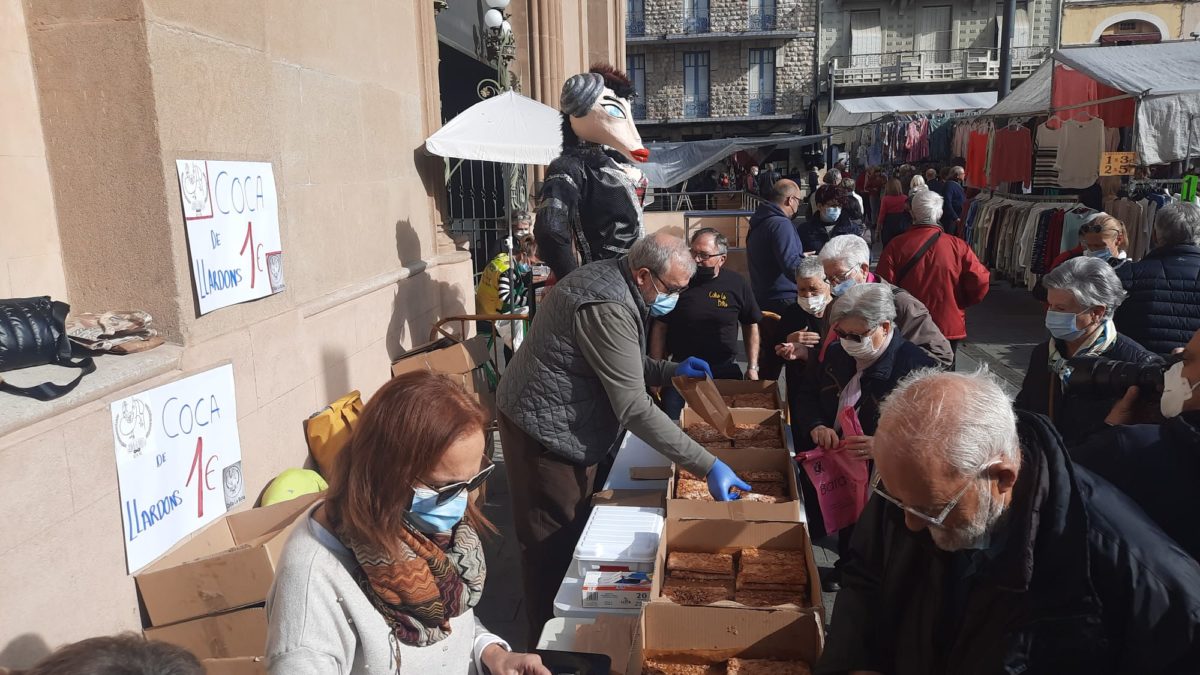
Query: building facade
[(892, 47), (1104, 22), (718, 68), (101, 99)]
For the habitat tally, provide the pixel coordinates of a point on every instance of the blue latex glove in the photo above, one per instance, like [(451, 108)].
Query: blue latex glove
[(693, 367), (722, 479)]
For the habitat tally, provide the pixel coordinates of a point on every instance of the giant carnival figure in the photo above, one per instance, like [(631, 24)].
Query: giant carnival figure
[(591, 202)]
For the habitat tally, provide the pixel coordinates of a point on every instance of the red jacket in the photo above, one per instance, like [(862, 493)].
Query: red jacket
[(948, 278)]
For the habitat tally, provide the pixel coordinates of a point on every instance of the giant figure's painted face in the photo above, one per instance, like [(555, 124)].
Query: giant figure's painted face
[(610, 122)]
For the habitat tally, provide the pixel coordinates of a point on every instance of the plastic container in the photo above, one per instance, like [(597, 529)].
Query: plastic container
[(619, 538)]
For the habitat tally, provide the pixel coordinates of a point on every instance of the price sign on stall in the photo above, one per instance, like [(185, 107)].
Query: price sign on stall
[(1118, 163)]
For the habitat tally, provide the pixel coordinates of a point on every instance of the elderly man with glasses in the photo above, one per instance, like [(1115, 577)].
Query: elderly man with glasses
[(705, 323), (984, 549)]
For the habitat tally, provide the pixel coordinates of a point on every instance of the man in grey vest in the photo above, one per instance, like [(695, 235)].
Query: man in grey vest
[(577, 383)]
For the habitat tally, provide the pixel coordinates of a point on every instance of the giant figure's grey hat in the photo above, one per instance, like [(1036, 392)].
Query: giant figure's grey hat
[(580, 92)]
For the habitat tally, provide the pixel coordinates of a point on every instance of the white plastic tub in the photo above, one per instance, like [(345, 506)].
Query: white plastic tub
[(619, 538)]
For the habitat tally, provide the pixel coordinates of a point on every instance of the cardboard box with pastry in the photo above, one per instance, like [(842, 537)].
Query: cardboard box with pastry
[(774, 493)]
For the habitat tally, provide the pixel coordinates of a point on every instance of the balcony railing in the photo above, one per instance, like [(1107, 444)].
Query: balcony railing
[(635, 26), (639, 109), (760, 21), (695, 106), (762, 105), (941, 65), (696, 23)]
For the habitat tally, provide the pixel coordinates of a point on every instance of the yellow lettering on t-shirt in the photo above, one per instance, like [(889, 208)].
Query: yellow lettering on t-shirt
[(721, 299)]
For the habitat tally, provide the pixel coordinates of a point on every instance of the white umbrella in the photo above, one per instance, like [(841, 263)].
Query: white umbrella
[(507, 128)]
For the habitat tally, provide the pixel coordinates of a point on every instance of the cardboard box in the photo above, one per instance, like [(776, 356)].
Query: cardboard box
[(715, 634), (240, 633), (463, 361), (243, 665), (654, 499), (616, 590), (729, 536), (227, 565), (742, 460), (735, 387), (690, 416)]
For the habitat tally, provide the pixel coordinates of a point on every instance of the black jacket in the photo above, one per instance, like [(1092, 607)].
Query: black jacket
[(814, 235), (817, 395), (1158, 466), (1076, 415), (587, 199), (1163, 308), (1080, 581)]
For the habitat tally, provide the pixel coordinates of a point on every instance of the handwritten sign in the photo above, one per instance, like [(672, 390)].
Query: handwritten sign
[(232, 218), (1118, 164), (179, 461)]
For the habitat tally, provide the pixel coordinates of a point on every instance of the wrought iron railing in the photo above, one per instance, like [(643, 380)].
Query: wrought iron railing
[(935, 65), (635, 26), (762, 105), (696, 22), (695, 106), (760, 21)]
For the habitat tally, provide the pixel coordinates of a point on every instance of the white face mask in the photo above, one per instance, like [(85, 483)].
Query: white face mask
[(862, 350), (1176, 391), (815, 304)]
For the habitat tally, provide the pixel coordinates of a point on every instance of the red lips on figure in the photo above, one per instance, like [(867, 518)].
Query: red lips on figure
[(641, 154)]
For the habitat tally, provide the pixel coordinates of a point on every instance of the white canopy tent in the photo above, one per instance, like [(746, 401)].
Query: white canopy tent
[(1164, 77), (853, 112), (672, 163), (507, 128)]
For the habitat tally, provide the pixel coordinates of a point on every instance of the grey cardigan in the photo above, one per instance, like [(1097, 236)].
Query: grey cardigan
[(321, 622)]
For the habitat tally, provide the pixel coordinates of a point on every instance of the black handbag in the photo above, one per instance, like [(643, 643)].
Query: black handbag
[(33, 333)]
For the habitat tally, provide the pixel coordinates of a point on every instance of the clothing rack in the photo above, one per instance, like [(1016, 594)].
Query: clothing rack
[(1059, 199)]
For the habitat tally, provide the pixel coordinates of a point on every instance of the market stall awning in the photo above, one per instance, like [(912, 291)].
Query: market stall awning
[(672, 163), (853, 112), (507, 128), (1031, 96)]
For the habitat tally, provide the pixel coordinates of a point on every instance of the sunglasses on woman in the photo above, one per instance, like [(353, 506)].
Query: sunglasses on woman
[(449, 492), (853, 337)]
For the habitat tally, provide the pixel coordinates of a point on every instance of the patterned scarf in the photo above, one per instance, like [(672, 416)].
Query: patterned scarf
[(1098, 345), (437, 577)]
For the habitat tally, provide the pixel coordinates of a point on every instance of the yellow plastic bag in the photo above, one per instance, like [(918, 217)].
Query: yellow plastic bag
[(328, 431)]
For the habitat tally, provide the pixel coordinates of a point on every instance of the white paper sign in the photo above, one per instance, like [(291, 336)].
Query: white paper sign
[(179, 461), (232, 217)]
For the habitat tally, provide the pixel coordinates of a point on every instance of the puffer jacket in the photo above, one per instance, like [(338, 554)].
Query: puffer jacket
[(948, 278), (1163, 308), (1081, 583), (1076, 415), (815, 233)]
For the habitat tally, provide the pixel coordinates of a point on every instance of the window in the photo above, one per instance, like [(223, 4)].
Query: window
[(935, 32), (637, 73), (695, 84), (1128, 25), (762, 15), (695, 16), (866, 38), (1022, 36), (635, 18), (762, 81)]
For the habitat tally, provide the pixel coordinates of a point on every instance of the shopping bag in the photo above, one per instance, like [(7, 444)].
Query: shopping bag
[(842, 481)]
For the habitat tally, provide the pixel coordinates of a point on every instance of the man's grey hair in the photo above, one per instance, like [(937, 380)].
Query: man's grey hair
[(661, 252), (809, 267), (926, 207), (1092, 283), (720, 240), (965, 418), (848, 248), (1177, 223), (833, 177), (873, 303), (958, 172)]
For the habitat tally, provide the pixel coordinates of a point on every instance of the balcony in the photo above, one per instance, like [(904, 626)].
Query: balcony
[(943, 65), (635, 26), (695, 107), (762, 105), (759, 21), (639, 109), (695, 22)]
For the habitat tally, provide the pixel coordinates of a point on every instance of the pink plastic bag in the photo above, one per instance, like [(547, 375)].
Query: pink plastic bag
[(842, 482)]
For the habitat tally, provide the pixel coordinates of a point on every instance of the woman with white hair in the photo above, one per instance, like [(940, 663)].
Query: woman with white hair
[(916, 185), (857, 372), (1083, 293)]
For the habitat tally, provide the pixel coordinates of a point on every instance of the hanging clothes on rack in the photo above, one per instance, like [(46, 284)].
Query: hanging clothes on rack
[(1017, 235), (977, 156), (1045, 158), (1012, 151), (1080, 149)]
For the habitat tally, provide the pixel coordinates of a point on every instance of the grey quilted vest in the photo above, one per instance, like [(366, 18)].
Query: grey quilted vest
[(548, 389)]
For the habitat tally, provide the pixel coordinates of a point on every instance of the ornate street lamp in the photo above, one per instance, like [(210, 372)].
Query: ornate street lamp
[(501, 49)]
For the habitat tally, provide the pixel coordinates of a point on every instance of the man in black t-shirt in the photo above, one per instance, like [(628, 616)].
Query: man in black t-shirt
[(706, 319)]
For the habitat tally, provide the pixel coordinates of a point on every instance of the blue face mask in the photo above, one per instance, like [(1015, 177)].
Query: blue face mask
[(831, 214), (1102, 254), (663, 304), (846, 285), (1062, 325), (430, 517), (523, 268)]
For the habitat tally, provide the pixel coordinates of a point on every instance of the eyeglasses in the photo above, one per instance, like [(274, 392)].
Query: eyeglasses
[(839, 278), (666, 289), (854, 337), (449, 492), (701, 256), (937, 520)]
